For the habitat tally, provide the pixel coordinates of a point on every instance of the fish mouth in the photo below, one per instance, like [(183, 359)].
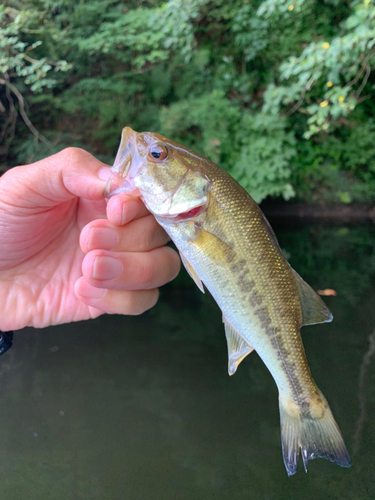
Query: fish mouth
[(122, 176), (184, 216)]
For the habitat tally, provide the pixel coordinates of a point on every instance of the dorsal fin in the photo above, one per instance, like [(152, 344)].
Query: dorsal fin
[(314, 309), (238, 348)]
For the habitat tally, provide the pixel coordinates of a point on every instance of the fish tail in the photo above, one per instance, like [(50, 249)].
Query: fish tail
[(312, 429)]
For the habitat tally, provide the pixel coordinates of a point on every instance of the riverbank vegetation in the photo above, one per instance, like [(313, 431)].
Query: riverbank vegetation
[(279, 93)]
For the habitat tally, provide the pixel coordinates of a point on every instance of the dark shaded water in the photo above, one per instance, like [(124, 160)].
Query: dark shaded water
[(143, 408)]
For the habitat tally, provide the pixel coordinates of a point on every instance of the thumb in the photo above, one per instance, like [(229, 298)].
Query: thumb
[(71, 173)]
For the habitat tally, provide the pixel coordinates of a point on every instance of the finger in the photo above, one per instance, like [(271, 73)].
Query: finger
[(140, 235), (122, 208), (130, 270), (90, 211), (71, 173), (128, 302)]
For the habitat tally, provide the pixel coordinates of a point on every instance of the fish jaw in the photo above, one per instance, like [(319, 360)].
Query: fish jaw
[(126, 166), (192, 193), (189, 199), (133, 173)]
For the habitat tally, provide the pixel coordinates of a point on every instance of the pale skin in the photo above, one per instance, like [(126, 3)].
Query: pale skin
[(68, 255)]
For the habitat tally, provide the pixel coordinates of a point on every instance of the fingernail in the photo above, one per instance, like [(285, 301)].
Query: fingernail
[(102, 237), (104, 173), (106, 268), (91, 292)]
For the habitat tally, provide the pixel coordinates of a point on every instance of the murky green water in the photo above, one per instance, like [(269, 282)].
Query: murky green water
[(143, 408)]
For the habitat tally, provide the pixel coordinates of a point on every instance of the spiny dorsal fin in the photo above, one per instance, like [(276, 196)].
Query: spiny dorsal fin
[(238, 348), (314, 309), (192, 273)]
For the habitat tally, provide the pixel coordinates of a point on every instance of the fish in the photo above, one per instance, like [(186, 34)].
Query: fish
[(227, 245)]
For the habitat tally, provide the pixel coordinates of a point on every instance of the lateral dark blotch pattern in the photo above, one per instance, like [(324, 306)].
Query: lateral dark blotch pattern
[(275, 336)]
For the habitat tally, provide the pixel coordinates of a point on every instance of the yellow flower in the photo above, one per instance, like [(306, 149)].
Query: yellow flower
[(291, 7), (323, 104), (341, 98), (329, 84), (325, 45)]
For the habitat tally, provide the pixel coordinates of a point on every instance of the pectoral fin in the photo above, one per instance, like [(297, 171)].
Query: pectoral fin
[(192, 273), (213, 247), (314, 309), (238, 348)]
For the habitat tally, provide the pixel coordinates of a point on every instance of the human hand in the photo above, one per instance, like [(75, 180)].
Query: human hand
[(53, 229)]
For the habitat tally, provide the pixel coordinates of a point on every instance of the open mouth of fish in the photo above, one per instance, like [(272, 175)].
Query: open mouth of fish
[(127, 166), (124, 168)]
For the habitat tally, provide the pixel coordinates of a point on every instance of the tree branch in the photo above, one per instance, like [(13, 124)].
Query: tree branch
[(9, 127), (364, 81), (360, 73), (23, 112), (295, 107)]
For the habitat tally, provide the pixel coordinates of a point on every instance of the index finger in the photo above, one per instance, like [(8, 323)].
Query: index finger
[(68, 174), (123, 208)]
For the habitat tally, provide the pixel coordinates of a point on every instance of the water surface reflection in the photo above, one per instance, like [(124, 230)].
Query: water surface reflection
[(143, 408)]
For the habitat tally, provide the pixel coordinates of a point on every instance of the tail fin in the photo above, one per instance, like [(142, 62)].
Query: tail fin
[(313, 430)]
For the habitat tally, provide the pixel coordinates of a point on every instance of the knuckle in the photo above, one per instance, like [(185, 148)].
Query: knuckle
[(144, 238), (152, 298), (139, 302), (146, 271), (174, 263), (73, 154), (129, 304), (141, 242)]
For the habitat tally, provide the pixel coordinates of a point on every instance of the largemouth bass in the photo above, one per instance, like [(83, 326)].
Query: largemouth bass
[(226, 243)]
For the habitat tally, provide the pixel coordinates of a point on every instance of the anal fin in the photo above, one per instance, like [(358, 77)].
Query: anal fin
[(238, 348)]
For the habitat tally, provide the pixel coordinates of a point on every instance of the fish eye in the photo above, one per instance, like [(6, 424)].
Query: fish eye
[(158, 152)]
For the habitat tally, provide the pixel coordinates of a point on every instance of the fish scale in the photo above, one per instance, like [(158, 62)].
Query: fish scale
[(273, 280), (226, 243)]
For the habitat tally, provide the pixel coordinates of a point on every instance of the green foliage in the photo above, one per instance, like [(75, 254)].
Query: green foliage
[(133, 37), (340, 168), (199, 122), (16, 55), (254, 148), (265, 153), (23, 60), (251, 32), (328, 76), (276, 92)]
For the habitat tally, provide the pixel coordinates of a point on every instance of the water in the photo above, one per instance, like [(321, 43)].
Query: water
[(142, 408)]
